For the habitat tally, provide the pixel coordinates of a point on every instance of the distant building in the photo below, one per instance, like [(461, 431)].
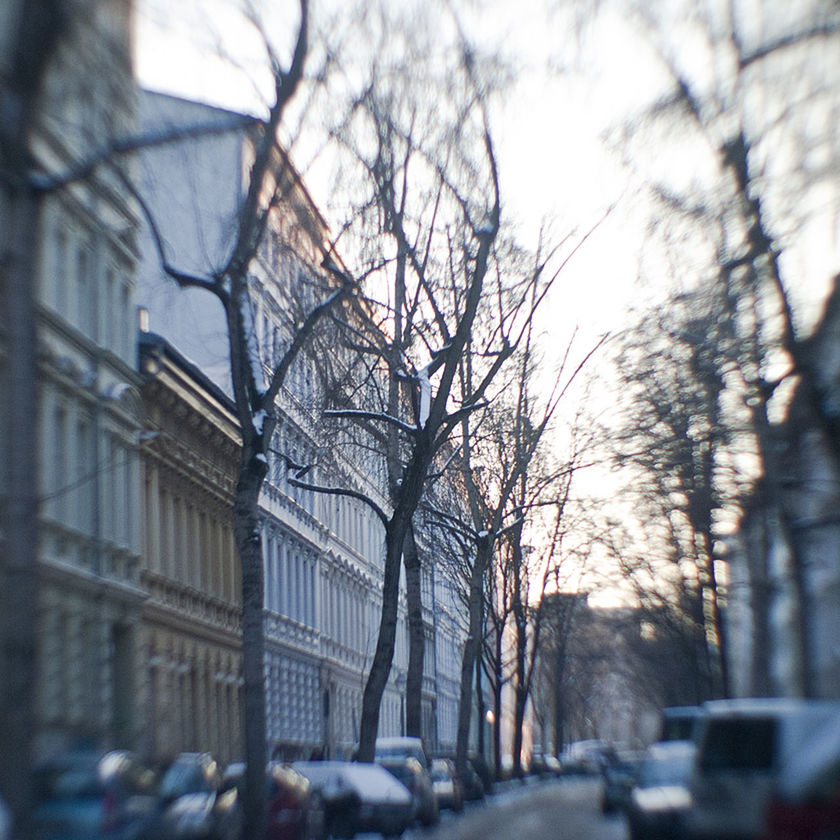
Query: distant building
[(593, 680)]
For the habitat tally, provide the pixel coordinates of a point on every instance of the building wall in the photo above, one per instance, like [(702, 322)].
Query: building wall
[(90, 414), (191, 638)]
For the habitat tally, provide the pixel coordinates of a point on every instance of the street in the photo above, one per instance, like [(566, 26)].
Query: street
[(567, 809)]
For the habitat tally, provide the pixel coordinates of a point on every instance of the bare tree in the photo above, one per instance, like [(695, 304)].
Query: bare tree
[(505, 452), (34, 32), (752, 112), (258, 370), (674, 444)]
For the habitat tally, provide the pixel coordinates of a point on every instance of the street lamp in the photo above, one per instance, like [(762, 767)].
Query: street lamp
[(490, 717)]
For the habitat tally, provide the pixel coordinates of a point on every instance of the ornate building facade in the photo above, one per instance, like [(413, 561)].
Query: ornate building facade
[(191, 640)]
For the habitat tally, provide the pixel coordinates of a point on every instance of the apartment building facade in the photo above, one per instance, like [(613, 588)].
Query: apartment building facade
[(323, 554), (190, 639)]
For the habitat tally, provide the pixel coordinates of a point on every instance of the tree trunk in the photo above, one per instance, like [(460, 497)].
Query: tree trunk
[(416, 637), (472, 648), (777, 502), (520, 694), (479, 706), (761, 681), (383, 656), (411, 488), (497, 728), (521, 688), (19, 222), (39, 26), (249, 546)]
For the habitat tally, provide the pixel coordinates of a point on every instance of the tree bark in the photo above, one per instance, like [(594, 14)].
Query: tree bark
[(383, 656), (479, 706), (411, 489), (521, 687), (497, 726), (472, 648), (19, 219), (416, 637), (248, 537), (40, 24)]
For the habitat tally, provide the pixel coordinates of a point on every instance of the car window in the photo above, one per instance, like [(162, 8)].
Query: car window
[(739, 744), (181, 779)]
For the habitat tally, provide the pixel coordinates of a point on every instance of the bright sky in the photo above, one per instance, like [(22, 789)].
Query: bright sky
[(552, 161)]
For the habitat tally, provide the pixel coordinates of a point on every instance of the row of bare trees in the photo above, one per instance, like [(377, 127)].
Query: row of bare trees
[(708, 373)]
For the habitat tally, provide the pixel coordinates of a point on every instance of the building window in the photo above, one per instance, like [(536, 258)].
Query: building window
[(60, 270)]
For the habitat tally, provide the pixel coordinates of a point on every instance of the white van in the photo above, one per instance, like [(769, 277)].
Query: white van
[(741, 747)]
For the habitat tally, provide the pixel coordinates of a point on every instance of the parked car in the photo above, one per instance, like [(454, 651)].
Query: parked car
[(5, 820), (806, 802), (402, 746), (742, 746), (660, 798), (340, 798), (86, 795), (446, 784), (416, 778), (294, 810), (678, 722), (619, 777), (584, 757), (359, 797), (196, 805)]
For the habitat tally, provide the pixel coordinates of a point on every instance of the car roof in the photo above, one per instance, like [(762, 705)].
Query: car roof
[(768, 705)]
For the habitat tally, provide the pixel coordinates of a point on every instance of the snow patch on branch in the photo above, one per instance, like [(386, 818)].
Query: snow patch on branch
[(378, 416), (424, 378), (259, 421)]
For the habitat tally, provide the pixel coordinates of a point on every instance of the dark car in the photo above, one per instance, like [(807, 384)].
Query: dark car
[(446, 784), (196, 805), (660, 800), (294, 810), (86, 795), (619, 776), (416, 778)]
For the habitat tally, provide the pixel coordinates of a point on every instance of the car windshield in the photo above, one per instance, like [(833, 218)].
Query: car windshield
[(181, 779), (669, 770), (739, 744)]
